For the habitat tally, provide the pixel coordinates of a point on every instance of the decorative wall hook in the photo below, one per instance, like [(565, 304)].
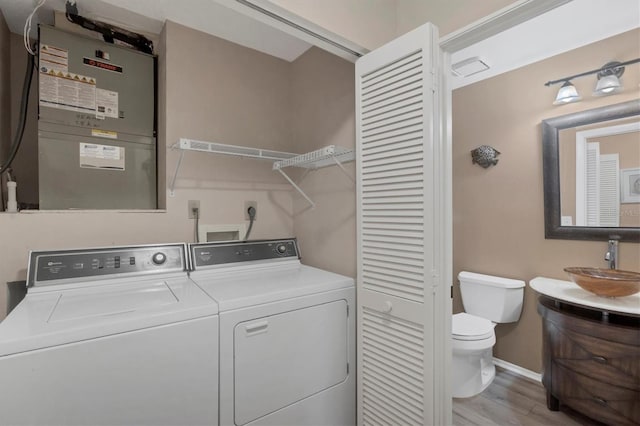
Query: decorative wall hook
[(485, 156)]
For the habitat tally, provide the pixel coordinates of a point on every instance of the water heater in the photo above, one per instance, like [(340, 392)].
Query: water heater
[(96, 124)]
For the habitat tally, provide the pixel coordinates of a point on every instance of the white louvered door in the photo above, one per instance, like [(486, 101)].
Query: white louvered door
[(400, 231), (592, 194), (609, 183), (601, 189)]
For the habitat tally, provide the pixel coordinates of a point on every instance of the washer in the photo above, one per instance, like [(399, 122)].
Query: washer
[(110, 336), (287, 348)]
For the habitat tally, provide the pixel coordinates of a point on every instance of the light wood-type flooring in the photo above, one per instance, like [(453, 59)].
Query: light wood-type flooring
[(513, 400)]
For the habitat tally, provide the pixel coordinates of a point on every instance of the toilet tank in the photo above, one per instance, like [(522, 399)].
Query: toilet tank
[(494, 298)]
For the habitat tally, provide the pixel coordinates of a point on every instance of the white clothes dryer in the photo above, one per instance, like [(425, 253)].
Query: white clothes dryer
[(112, 336), (287, 330)]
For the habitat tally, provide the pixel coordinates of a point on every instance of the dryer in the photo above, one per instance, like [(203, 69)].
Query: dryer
[(287, 330), (113, 336)]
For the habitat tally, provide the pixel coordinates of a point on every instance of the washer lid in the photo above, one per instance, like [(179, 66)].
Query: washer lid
[(60, 316), (250, 285), (469, 327)]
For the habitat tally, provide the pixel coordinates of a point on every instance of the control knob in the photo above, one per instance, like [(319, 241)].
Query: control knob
[(159, 258), (281, 248)]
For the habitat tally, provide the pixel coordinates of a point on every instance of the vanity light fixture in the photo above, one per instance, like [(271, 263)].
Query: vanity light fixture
[(567, 94), (609, 79), (608, 82)]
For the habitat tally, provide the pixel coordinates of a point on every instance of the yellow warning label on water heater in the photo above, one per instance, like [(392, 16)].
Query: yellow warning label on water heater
[(104, 134)]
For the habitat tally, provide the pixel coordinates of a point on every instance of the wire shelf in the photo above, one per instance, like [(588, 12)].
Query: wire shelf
[(238, 151), (327, 156), (331, 155)]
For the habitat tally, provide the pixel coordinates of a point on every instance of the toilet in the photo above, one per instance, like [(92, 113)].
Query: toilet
[(487, 300)]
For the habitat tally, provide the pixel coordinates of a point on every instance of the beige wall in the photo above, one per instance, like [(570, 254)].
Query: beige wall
[(498, 223), (213, 90), (567, 175), (324, 114), (372, 23), (221, 92), (368, 23), (447, 15)]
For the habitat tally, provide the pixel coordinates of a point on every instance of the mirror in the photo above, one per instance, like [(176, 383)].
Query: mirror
[(596, 160), (591, 168)]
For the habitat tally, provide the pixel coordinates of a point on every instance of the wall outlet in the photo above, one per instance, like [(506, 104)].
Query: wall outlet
[(193, 204), (248, 204)]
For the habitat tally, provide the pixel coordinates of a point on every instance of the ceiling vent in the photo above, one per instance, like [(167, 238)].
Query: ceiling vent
[(469, 67)]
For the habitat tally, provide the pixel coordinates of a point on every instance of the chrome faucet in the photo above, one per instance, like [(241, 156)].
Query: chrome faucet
[(611, 255)]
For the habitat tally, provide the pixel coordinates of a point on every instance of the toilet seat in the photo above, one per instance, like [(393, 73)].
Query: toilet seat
[(469, 327)]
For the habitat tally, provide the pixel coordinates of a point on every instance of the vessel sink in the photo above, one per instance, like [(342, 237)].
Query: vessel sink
[(605, 282)]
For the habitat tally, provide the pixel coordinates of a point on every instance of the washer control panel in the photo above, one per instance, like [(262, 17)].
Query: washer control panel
[(210, 254), (49, 267)]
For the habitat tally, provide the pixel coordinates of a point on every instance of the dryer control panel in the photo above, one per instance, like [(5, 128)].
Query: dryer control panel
[(63, 266), (213, 254)]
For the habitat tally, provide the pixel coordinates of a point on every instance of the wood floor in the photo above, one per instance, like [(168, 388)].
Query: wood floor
[(513, 400)]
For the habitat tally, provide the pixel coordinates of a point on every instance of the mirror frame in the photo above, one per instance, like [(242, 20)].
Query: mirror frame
[(551, 174)]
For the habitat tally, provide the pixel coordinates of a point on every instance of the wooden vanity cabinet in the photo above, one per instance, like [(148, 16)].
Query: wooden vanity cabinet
[(591, 361)]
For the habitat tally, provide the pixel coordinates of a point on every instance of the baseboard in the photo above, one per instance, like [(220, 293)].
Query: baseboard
[(518, 370)]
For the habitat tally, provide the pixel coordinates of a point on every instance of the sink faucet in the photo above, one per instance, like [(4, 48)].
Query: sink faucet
[(611, 255)]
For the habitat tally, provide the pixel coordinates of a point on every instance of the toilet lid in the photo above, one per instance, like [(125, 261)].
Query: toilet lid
[(469, 327)]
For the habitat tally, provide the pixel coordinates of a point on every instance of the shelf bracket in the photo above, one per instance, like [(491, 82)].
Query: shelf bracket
[(339, 164), (314, 160), (172, 192), (306, 197)]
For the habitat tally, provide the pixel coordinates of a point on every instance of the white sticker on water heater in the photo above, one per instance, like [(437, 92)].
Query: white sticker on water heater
[(64, 90), (97, 156), (106, 104), (52, 57)]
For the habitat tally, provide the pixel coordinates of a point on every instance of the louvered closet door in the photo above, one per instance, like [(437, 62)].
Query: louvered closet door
[(609, 190), (592, 196), (397, 129)]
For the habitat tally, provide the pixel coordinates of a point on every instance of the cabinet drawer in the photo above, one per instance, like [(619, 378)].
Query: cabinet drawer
[(615, 328), (604, 402), (602, 345), (594, 357)]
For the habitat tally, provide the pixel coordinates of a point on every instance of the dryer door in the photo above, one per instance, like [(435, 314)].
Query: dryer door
[(285, 358)]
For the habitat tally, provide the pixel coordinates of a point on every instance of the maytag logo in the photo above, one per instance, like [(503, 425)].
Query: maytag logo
[(54, 263)]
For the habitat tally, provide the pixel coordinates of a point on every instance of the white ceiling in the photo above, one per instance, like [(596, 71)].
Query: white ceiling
[(575, 24), (567, 27)]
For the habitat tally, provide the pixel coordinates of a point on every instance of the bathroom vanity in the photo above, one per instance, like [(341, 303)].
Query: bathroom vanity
[(591, 351)]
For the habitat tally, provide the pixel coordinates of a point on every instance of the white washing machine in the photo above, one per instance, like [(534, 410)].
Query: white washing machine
[(287, 348), (111, 336)]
